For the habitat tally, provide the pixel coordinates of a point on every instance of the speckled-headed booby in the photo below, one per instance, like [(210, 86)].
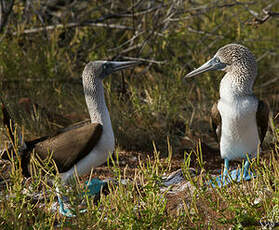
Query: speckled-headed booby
[(240, 119), (83, 148)]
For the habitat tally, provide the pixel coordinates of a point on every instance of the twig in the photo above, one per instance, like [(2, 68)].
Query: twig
[(73, 24), (132, 48), (262, 56), (126, 42), (190, 29), (267, 83), (207, 7), (144, 60), (258, 21), (136, 14), (62, 80), (268, 14)]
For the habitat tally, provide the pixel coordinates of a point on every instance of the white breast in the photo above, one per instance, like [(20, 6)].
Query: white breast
[(107, 142), (99, 154), (103, 148), (239, 135)]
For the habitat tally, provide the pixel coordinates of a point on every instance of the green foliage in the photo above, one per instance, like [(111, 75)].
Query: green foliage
[(145, 105), (151, 105), (140, 202)]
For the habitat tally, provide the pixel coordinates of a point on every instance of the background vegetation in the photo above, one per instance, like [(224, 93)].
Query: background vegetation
[(45, 46)]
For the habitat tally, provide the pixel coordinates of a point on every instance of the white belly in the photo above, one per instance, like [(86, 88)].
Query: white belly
[(97, 156), (239, 135)]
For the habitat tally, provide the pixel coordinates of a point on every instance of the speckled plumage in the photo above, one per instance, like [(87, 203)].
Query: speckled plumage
[(238, 110), (241, 69), (237, 104)]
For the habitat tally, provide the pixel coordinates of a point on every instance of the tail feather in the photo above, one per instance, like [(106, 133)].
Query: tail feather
[(13, 130), (15, 135), (10, 126), (8, 123)]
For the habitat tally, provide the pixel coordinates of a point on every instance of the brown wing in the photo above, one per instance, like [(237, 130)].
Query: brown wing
[(262, 117), (74, 126), (71, 146), (216, 122)]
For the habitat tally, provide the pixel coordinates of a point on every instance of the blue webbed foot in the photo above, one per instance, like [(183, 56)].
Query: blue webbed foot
[(63, 210), (235, 175), (245, 174), (92, 187)]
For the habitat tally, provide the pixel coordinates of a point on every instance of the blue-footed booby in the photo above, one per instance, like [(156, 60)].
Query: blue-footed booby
[(83, 148), (240, 119)]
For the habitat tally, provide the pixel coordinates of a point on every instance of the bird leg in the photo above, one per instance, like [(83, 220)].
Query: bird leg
[(243, 174), (224, 178), (235, 175), (63, 208), (92, 188), (247, 174)]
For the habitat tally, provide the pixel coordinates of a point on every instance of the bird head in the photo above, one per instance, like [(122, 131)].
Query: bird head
[(101, 69), (232, 57)]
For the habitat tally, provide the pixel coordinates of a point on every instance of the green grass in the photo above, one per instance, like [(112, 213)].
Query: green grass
[(140, 203), (151, 105)]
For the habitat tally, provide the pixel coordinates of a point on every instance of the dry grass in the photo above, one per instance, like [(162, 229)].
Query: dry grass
[(151, 105)]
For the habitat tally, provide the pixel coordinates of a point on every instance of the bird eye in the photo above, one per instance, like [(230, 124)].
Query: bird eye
[(217, 59)]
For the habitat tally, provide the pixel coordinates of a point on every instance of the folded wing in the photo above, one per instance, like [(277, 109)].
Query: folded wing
[(69, 147)]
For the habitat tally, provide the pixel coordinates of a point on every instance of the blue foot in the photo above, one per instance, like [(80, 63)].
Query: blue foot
[(64, 211), (235, 175), (92, 188)]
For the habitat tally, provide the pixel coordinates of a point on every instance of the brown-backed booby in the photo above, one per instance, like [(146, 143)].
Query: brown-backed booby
[(240, 119), (83, 148)]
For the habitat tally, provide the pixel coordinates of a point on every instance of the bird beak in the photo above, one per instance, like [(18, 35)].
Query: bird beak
[(119, 65), (212, 64)]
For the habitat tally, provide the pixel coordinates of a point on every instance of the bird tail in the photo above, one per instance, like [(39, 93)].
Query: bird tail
[(13, 131)]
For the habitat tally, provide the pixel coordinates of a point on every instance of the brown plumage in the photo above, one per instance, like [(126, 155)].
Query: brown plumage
[(7, 122), (216, 122), (74, 143), (80, 149), (262, 119)]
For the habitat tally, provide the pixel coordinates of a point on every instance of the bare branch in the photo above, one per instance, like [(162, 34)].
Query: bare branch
[(144, 60), (258, 21), (76, 80), (207, 7), (73, 24), (268, 14), (190, 29), (126, 42)]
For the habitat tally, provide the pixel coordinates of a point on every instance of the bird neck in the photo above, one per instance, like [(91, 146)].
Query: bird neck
[(95, 100), (236, 84)]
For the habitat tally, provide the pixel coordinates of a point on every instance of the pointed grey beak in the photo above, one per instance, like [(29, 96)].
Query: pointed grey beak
[(119, 65), (212, 64)]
